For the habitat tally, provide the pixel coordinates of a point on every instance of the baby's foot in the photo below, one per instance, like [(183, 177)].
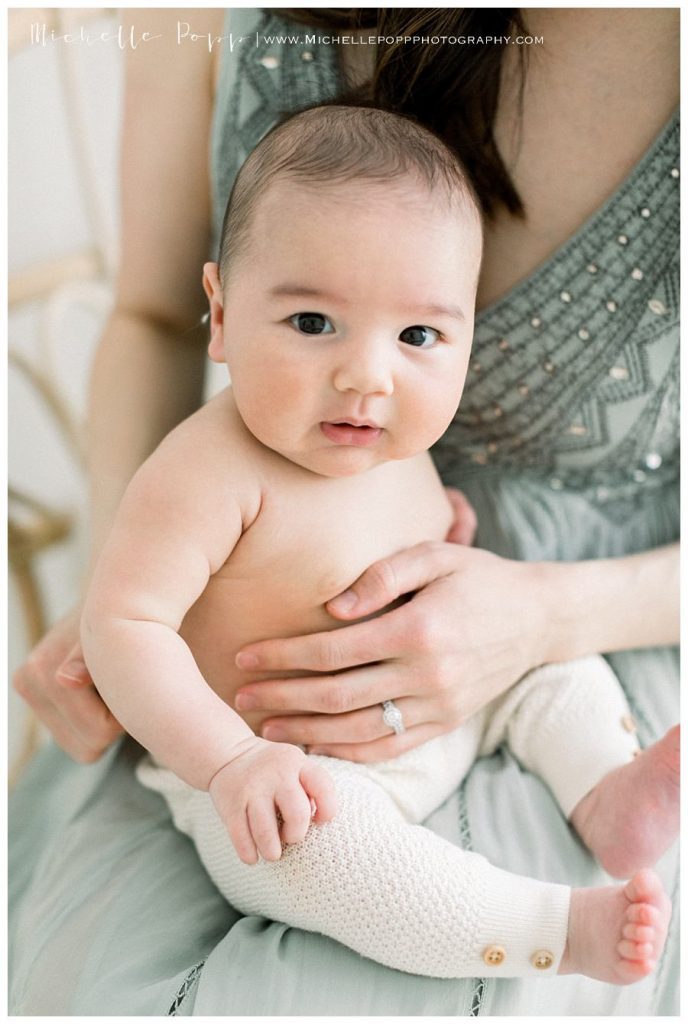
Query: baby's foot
[(617, 933), (632, 816)]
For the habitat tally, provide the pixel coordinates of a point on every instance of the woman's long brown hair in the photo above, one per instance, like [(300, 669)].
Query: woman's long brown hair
[(453, 89)]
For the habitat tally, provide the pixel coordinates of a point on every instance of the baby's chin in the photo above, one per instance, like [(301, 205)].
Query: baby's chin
[(340, 461)]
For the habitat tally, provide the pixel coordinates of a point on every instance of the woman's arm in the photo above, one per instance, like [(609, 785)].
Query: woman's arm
[(611, 604), (148, 370), (477, 624)]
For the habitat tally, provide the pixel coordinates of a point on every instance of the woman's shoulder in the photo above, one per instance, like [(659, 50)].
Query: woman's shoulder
[(268, 67), (282, 64)]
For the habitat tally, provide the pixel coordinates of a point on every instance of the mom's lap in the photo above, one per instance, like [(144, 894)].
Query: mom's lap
[(112, 913)]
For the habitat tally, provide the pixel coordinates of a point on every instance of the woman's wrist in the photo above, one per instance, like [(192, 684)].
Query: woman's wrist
[(606, 605), (564, 628)]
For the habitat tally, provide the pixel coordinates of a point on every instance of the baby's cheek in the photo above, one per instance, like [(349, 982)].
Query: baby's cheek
[(436, 406)]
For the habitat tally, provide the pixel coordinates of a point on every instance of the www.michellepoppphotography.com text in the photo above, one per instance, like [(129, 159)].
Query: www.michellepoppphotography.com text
[(129, 37)]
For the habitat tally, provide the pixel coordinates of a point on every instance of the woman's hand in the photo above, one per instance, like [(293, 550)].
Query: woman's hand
[(465, 524), (55, 683), (472, 629)]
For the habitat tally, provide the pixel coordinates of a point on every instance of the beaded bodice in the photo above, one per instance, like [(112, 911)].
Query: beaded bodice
[(574, 378), (575, 372)]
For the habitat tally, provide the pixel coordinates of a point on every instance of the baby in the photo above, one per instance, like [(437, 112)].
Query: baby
[(343, 306)]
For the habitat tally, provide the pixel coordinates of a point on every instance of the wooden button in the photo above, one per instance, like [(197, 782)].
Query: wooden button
[(542, 959), (628, 723), (493, 956)]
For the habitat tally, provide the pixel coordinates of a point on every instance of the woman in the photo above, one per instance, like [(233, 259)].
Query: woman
[(565, 444)]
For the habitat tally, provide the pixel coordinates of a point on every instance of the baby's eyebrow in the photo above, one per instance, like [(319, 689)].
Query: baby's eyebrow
[(298, 291), (452, 311)]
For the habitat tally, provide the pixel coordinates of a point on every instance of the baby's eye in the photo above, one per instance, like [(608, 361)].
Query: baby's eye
[(311, 323), (420, 337)]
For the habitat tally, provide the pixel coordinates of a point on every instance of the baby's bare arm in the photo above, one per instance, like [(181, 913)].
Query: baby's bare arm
[(181, 516)]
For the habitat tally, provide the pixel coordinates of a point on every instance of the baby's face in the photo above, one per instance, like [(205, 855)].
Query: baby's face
[(347, 328)]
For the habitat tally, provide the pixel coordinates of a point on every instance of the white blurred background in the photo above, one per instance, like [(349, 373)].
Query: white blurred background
[(65, 101), (63, 137)]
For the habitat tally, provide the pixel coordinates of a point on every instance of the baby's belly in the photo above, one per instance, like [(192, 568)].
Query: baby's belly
[(313, 538), (232, 614)]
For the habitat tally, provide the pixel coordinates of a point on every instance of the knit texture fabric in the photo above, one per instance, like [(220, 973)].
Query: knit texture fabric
[(567, 723), (378, 882)]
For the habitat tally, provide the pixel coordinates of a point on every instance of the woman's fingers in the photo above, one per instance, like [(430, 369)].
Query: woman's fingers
[(356, 727), (463, 529), (56, 684), (65, 737), (327, 695), (78, 720), (365, 642), (90, 718), (73, 672), (335, 649), (383, 749), (390, 578)]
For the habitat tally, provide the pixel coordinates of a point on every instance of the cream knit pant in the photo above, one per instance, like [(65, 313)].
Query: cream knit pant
[(378, 882)]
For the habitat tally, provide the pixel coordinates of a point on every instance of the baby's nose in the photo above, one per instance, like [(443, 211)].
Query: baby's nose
[(366, 369)]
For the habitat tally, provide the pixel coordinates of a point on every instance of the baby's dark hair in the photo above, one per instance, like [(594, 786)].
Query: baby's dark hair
[(332, 144)]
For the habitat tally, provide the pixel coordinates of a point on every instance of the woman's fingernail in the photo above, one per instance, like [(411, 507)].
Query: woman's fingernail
[(344, 602), (243, 660), (245, 702), (273, 732), (316, 750), (75, 671)]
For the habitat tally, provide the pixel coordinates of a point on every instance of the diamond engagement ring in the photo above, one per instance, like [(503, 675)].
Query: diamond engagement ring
[(391, 716)]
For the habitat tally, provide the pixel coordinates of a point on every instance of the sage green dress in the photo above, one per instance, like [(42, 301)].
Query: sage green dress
[(567, 444)]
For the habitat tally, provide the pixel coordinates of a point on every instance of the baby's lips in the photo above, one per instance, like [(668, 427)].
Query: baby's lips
[(353, 422)]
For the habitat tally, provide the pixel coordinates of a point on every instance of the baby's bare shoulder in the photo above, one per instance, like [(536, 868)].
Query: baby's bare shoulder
[(210, 455)]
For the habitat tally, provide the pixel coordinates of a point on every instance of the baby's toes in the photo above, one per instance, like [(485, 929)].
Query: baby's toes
[(642, 913), (628, 971), (645, 887), (629, 950), (638, 933)]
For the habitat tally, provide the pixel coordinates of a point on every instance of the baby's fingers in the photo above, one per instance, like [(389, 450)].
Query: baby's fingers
[(242, 841), (295, 808), (262, 820), (319, 786)]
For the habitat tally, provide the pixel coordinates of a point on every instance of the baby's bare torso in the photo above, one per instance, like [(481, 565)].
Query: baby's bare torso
[(312, 537)]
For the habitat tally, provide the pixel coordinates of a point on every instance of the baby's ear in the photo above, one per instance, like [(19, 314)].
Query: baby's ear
[(213, 289), (216, 348)]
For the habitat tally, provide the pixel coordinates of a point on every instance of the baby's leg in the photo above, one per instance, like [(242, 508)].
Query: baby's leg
[(631, 817), (399, 894), (392, 891), (569, 723)]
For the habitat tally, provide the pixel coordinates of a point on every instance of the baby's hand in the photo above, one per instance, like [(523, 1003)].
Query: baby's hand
[(263, 780)]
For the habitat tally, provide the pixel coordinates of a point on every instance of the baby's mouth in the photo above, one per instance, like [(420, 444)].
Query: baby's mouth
[(348, 433)]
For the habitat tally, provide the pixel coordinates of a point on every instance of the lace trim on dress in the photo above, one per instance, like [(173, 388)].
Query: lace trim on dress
[(466, 839), (190, 981)]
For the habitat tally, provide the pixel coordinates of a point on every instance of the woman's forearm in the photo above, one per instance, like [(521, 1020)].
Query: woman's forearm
[(147, 377), (610, 604)]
